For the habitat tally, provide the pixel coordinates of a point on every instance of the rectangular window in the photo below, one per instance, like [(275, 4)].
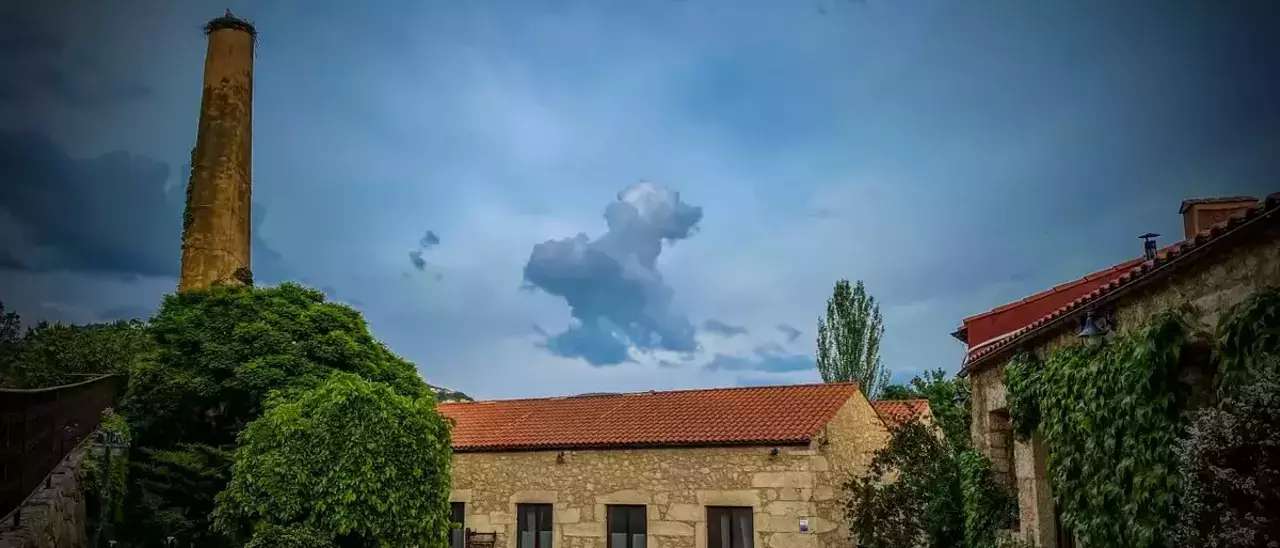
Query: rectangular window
[(729, 527), (627, 526), (533, 521), (458, 515)]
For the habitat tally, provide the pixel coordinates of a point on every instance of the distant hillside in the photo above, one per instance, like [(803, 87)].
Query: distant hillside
[(444, 394)]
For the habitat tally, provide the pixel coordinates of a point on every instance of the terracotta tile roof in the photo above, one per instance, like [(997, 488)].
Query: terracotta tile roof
[(1142, 272), (896, 412), (727, 416), (992, 325)]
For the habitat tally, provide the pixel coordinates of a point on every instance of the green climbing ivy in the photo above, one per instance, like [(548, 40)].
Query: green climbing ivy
[(1110, 416), (1022, 380), (988, 509), (188, 216), (1246, 333)]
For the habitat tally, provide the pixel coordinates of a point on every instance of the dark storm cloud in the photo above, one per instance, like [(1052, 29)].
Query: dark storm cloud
[(791, 332), (417, 257), (110, 215), (615, 292), (720, 328), (768, 358), (40, 63)]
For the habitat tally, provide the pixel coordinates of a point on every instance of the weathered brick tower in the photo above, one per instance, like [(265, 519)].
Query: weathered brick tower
[(216, 225)]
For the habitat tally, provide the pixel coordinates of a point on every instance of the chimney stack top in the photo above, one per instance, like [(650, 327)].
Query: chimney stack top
[(1199, 214)]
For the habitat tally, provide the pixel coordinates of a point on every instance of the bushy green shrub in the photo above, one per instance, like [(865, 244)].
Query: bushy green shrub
[(349, 459), (1231, 462)]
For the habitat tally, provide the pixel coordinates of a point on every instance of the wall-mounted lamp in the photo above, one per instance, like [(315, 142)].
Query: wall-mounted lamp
[(1095, 326), (774, 453), (560, 457)]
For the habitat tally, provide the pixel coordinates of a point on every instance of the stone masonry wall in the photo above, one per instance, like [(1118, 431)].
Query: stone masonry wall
[(54, 517), (676, 485), (1213, 284)]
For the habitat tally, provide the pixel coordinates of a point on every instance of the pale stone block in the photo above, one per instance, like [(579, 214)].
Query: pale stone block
[(669, 529), (502, 518), (791, 540), (592, 529), (776, 524), (629, 496), (788, 493), (570, 515), (739, 497), (782, 479), (824, 492), (685, 512), (806, 494), (478, 522), (819, 463), (661, 498), (789, 508), (536, 496), (460, 495)]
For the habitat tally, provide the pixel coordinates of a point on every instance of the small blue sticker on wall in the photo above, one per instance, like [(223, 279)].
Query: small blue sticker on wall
[(804, 525)]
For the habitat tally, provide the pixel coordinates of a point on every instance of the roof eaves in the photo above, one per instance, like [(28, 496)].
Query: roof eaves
[(1143, 273)]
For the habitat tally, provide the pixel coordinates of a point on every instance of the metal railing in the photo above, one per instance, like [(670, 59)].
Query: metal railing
[(39, 427)]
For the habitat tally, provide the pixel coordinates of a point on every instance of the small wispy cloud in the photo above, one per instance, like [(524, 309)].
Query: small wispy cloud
[(721, 328)]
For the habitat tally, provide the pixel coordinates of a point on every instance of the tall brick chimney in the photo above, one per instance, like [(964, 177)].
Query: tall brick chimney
[(215, 227), (1201, 213)]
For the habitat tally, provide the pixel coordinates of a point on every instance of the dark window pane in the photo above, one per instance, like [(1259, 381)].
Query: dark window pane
[(729, 527), (638, 520), (457, 512)]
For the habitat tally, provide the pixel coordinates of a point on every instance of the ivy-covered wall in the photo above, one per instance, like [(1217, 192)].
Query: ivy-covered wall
[(1214, 283)]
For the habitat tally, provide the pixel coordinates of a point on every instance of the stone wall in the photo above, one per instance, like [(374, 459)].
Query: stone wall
[(53, 517), (676, 485), (1213, 284)]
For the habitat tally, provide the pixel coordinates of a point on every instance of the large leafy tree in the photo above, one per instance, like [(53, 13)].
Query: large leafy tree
[(349, 462), (220, 354), (849, 339)]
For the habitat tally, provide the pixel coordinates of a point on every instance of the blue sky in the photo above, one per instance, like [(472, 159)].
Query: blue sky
[(954, 155)]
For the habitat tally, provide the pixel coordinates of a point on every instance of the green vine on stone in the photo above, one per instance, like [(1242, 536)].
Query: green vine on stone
[(188, 216), (1022, 380), (1247, 332), (988, 509), (1111, 417)]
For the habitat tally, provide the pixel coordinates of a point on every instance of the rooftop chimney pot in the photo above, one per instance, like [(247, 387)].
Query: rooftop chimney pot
[(1149, 245)]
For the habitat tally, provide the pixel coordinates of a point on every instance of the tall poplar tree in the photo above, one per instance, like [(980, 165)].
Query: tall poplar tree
[(849, 339)]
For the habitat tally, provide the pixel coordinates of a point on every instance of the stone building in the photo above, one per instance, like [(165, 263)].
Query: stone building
[(1230, 251), (735, 467)]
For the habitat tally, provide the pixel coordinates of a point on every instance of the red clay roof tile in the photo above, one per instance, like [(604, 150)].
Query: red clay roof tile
[(727, 416), (1136, 274), (896, 412)]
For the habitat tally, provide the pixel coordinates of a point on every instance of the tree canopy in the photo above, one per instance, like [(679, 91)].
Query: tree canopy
[(349, 461), (222, 356), (52, 354), (948, 400), (849, 339)]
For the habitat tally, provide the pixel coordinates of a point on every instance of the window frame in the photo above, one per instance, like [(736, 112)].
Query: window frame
[(736, 514), (630, 511), (545, 515)]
